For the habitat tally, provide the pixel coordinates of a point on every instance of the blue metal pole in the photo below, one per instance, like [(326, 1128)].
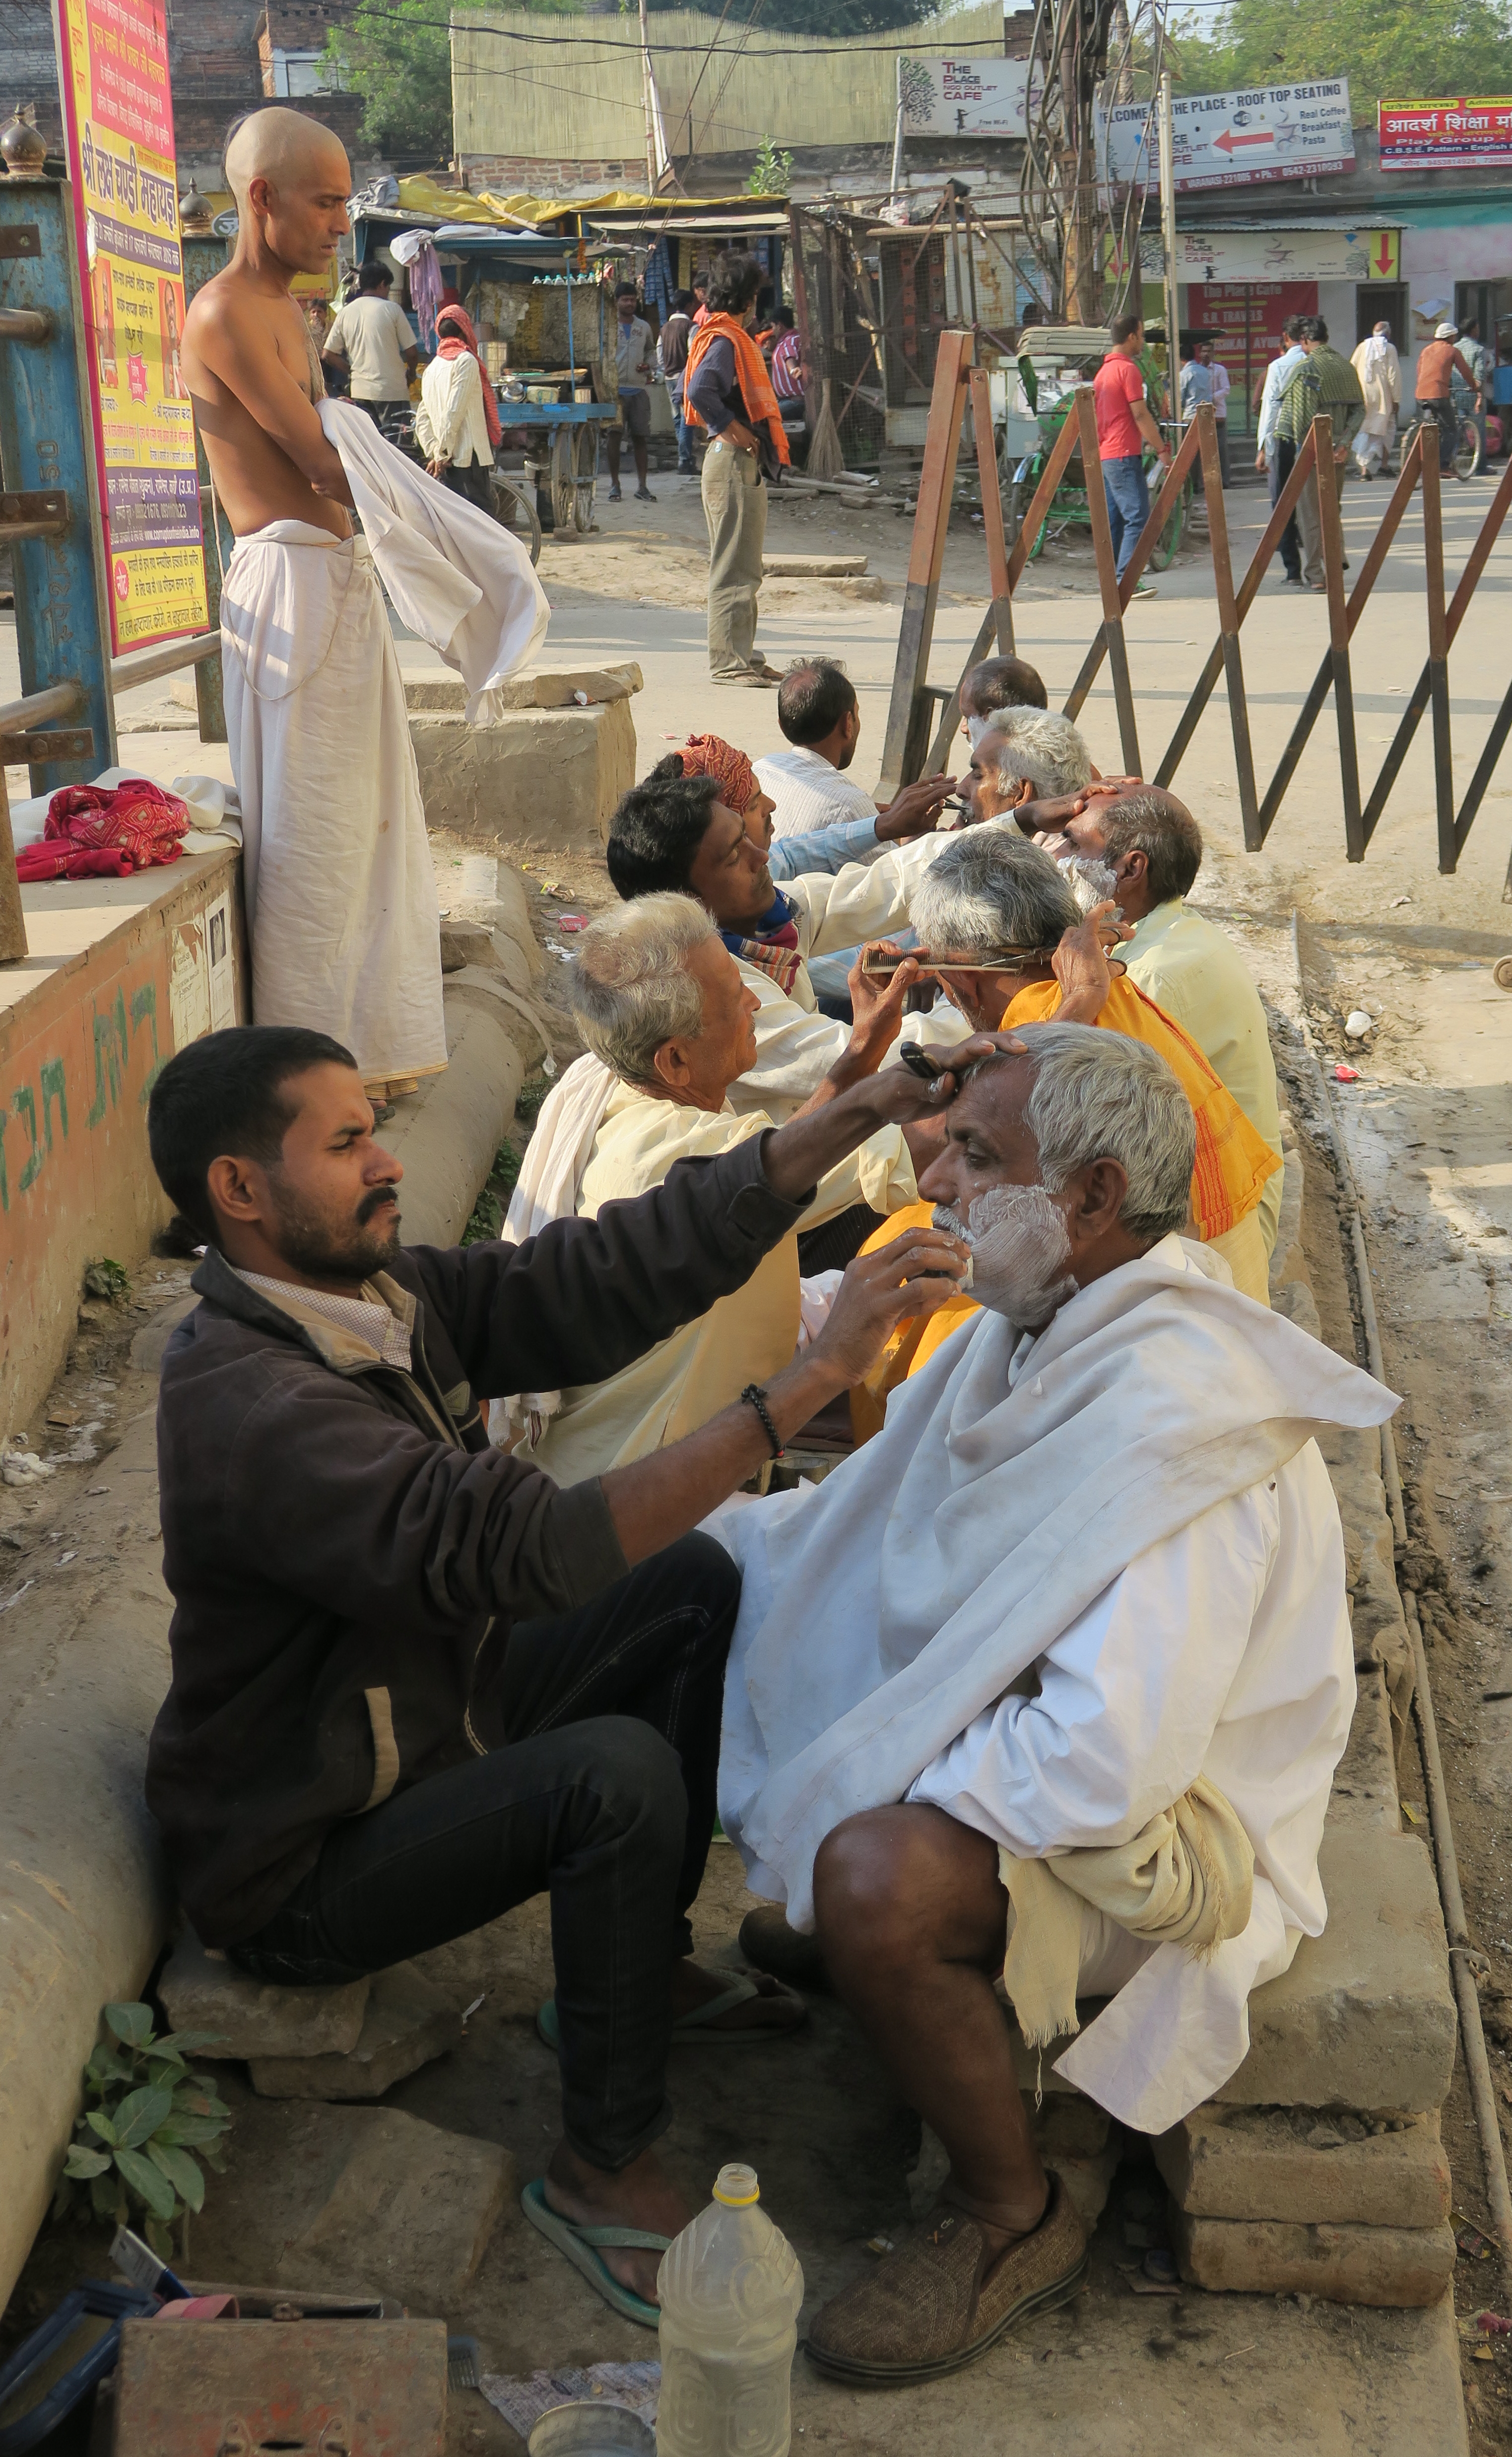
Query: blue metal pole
[(62, 614)]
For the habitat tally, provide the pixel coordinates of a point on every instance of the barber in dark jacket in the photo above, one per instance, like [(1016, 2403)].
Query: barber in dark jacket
[(415, 1682)]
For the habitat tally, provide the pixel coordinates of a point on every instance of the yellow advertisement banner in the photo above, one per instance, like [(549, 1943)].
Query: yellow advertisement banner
[(119, 124)]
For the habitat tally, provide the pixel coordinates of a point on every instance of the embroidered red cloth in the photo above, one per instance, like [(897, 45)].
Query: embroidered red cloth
[(704, 755), (136, 817), (40, 861)]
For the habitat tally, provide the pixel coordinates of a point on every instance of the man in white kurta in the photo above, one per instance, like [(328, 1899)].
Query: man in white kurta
[(1087, 1584), (616, 1128), (675, 835)]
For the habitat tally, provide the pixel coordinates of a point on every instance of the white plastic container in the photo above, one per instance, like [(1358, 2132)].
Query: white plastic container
[(730, 2287)]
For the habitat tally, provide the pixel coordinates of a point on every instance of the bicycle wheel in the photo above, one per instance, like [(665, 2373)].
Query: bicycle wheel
[(1467, 461), (584, 475), (515, 509)]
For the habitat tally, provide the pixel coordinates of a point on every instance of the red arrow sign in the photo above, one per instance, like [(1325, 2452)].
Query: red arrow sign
[(1226, 143), (1384, 261)]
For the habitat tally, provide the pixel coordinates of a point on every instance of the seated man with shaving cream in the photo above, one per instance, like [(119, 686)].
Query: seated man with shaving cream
[(1059, 1666)]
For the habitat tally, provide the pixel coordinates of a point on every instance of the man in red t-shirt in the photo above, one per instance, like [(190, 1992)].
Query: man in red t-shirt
[(1124, 426)]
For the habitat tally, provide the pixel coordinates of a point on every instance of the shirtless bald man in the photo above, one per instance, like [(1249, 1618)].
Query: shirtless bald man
[(340, 893)]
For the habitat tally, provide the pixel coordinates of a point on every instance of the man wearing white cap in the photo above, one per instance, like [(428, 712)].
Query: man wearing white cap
[(1438, 361)]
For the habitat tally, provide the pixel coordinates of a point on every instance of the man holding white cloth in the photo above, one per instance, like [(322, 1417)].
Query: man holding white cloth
[(1059, 1663), (340, 890)]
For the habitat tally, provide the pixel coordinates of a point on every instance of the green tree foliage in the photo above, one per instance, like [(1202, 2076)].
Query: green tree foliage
[(399, 59), (1397, 49)]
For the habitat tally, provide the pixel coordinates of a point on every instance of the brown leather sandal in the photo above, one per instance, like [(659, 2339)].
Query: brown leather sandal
[(944, 2298)]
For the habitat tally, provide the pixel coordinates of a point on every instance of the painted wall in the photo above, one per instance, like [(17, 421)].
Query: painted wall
[(1434, 260), (79, 1055)]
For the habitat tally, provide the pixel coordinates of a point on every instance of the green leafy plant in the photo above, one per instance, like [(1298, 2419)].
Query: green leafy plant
[(109, 1280), (531, 1096), (772, 172), (147, 2120), (485, 1219)]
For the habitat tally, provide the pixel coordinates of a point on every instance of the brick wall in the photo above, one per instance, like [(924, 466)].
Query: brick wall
[(515, 175)]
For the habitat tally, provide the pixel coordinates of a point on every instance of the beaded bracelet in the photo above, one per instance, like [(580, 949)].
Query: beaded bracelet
[(757, 1396)]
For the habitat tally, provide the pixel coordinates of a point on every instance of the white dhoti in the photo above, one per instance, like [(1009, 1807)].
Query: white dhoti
[(340, 895)]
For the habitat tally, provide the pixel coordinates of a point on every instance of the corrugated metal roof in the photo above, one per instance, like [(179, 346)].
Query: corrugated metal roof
[(1312, 222)]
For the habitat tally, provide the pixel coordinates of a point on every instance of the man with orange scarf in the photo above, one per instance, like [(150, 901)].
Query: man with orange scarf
[(456, 424), (727, 390), (1014, 949)]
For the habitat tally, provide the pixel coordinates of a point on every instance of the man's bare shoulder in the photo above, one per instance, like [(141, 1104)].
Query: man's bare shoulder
[(231, 306)]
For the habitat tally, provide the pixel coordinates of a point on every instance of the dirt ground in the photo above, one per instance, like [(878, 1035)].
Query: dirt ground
[(1426, 1128)]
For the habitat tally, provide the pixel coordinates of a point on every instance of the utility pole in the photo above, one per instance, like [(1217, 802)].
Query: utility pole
[(897, 189), (1168, 247), (1059, 187), (657, 157)]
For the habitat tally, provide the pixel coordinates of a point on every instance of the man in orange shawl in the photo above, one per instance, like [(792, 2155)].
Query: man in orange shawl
[(1013, 949), (727, 390)]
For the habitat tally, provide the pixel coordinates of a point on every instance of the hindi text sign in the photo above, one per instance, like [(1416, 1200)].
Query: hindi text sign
[(1446, 136), (118, 120)]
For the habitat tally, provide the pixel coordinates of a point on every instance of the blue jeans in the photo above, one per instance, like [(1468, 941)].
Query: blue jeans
[(684, 449), (1123, 483)]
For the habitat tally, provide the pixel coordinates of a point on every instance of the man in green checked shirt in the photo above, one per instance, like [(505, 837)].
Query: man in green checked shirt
[(1324, 383)]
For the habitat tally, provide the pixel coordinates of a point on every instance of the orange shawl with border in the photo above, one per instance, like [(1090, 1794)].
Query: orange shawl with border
[(1233, 1165)]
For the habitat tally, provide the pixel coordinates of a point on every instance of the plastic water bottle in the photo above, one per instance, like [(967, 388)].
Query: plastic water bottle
[(730, 2287)]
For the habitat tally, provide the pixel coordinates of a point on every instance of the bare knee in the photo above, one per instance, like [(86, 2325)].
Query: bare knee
[(903, 1884)]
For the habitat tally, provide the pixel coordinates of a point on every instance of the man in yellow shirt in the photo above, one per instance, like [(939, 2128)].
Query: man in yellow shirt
[(667, 1017), (1144, 849)]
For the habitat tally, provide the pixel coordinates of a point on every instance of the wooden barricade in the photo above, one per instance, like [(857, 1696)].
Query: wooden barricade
[(913, 696)]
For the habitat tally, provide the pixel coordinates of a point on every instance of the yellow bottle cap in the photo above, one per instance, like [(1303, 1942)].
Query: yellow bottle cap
[(737, 2187)]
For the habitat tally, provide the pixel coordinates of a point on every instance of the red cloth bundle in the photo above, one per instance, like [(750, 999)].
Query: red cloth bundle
[(136, 816), (64, 862)]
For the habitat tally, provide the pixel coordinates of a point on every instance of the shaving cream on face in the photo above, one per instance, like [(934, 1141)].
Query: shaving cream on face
[(1018, 1249), (1091, 882), (975, 728)]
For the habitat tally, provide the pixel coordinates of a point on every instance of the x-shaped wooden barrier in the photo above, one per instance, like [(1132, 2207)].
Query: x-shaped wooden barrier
[(913, 696)]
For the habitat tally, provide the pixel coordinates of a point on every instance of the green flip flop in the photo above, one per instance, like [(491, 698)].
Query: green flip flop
[(695, 2029), (580, 2244)]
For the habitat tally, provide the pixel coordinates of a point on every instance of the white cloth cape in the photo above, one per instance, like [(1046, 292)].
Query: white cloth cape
[(458, 579), (884, 1609)]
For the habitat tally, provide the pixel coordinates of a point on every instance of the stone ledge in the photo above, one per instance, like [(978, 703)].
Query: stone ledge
[(1365, 2016), (599, 685), (1365, 1789), (544, 778), (1292, 2165), (408, 2022), (1402, 2267), (813, 567), (204, 1992)]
